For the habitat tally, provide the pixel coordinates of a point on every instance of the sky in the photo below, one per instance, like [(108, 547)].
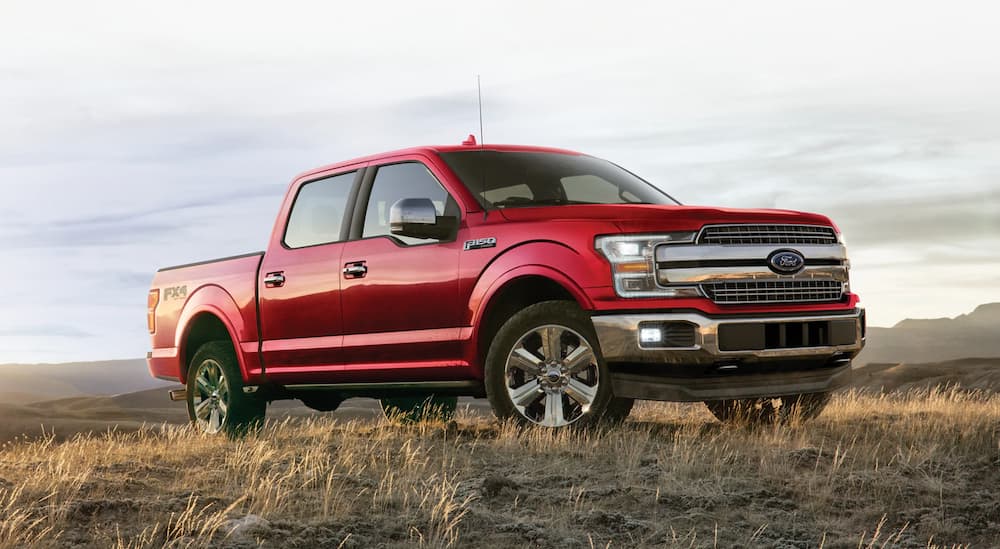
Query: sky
[(137, 135)]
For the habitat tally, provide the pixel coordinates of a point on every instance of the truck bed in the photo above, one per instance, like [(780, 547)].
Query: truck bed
[(226, 285)]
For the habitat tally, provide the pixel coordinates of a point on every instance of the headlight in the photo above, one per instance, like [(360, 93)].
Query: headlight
[(633, 265)]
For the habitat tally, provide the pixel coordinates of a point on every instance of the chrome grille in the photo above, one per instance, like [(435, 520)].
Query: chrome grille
[(767, 234), (774, 291)]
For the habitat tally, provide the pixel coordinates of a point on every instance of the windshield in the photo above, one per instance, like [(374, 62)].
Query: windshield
[(523, 179)]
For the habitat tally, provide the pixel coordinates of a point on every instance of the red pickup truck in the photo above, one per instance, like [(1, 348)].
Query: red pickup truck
[(560, 286)]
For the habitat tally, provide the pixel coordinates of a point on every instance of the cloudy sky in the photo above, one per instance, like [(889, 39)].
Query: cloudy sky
[(137, 135)]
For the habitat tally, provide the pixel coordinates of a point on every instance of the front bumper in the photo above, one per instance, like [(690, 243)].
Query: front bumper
[(730, 357)]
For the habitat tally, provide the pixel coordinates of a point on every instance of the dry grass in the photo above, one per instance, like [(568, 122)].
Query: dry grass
[(920, 469)]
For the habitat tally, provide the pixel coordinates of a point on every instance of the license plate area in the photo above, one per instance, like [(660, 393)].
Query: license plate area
[(759, 336)]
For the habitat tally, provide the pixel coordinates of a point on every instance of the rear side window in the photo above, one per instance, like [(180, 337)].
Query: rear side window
[(318, 212)]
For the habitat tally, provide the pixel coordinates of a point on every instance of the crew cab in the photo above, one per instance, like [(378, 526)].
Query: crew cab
[(560, 286)]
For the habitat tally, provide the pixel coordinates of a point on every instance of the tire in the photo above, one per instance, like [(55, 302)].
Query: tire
[(322, 402), (618, 410), (544, 367), (805, 407), (414, 409), (215, 399), (766, 410)]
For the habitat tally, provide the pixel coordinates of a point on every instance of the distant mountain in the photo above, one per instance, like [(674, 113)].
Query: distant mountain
[(24, 383), (915, 343), (968, 373), (976, 334)]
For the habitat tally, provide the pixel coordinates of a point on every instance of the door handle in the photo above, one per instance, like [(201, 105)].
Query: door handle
[(357, 269), (274, 280)]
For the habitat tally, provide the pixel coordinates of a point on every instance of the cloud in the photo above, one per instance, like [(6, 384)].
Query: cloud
[(45, 330), (130, 148), (887, 181), (953, 220)]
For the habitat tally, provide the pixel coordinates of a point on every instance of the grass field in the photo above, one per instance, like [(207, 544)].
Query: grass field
[(920, 469)]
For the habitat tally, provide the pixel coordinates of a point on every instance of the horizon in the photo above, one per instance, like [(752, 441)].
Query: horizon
[(130, 148), (119, 359)]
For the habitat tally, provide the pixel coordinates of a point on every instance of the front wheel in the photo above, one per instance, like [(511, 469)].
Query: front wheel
[(544, 368), (215, 398), (769, 410)]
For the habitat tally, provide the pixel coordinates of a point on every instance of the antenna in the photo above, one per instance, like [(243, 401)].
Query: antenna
[(482, 144), (479, 88)]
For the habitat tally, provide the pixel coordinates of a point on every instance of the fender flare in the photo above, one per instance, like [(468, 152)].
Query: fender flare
[(509, 267), (483, 296), (511, 264), (216, 301)]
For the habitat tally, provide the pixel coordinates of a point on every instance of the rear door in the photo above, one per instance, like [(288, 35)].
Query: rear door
[(400, 295), (300, 281)]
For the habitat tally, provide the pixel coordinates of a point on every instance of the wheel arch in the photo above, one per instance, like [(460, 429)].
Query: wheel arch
[(209, 315), (512, 292)]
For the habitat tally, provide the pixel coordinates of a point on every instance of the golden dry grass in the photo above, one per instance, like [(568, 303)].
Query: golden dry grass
[(914, 470)]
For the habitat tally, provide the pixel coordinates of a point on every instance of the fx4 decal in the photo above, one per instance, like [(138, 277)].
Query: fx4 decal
[(488, 242), (176, 292)]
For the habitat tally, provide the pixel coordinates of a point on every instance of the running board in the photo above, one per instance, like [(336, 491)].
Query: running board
[(469, 388)]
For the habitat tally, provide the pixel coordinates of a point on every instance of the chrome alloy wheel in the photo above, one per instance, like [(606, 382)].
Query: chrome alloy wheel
[(552, 375), (211, 397)]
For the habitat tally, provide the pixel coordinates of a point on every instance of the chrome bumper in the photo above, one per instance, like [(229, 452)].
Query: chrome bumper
[(704, 371), (618, 336), (735, 386)]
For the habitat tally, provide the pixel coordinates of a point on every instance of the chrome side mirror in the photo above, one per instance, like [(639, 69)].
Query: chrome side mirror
[(417, 218)]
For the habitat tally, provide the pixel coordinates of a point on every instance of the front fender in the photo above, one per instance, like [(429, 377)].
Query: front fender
[(551, 260), (482, 297)]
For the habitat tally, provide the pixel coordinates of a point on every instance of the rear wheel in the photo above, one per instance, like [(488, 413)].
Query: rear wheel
[(215, 398), (419, 408), (544, 368), (769, 410)]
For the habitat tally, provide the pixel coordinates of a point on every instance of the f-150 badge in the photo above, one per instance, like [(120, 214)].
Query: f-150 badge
[(489, 242)]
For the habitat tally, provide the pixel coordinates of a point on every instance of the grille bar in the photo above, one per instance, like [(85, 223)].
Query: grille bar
[(767, 234), (774, 291)]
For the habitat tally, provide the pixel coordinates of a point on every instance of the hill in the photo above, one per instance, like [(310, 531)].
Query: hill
[(25, 383), (910, 341), (976, 334), (967, 373)]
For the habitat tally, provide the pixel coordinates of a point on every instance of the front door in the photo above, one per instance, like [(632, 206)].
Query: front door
[(400, 295)]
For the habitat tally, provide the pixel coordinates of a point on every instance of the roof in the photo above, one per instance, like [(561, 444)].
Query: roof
[(435, 149)]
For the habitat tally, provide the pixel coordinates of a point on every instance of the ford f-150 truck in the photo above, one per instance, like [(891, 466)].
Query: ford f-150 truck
[(560, 286)]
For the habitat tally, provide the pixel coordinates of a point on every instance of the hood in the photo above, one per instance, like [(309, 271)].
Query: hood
[(639, 218)]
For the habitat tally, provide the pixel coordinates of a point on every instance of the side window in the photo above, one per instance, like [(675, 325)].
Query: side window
[(396, 182), (318, 212)]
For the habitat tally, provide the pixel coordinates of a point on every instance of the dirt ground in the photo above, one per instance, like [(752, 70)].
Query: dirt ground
[(914, 470)]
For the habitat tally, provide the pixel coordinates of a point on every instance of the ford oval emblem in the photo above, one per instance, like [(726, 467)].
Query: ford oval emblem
[(786, 261)]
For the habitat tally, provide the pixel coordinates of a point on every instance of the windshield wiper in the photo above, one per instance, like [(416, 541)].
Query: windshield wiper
[(554, 202)]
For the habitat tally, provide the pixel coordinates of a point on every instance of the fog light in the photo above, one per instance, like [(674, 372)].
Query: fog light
[(650, 335)]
